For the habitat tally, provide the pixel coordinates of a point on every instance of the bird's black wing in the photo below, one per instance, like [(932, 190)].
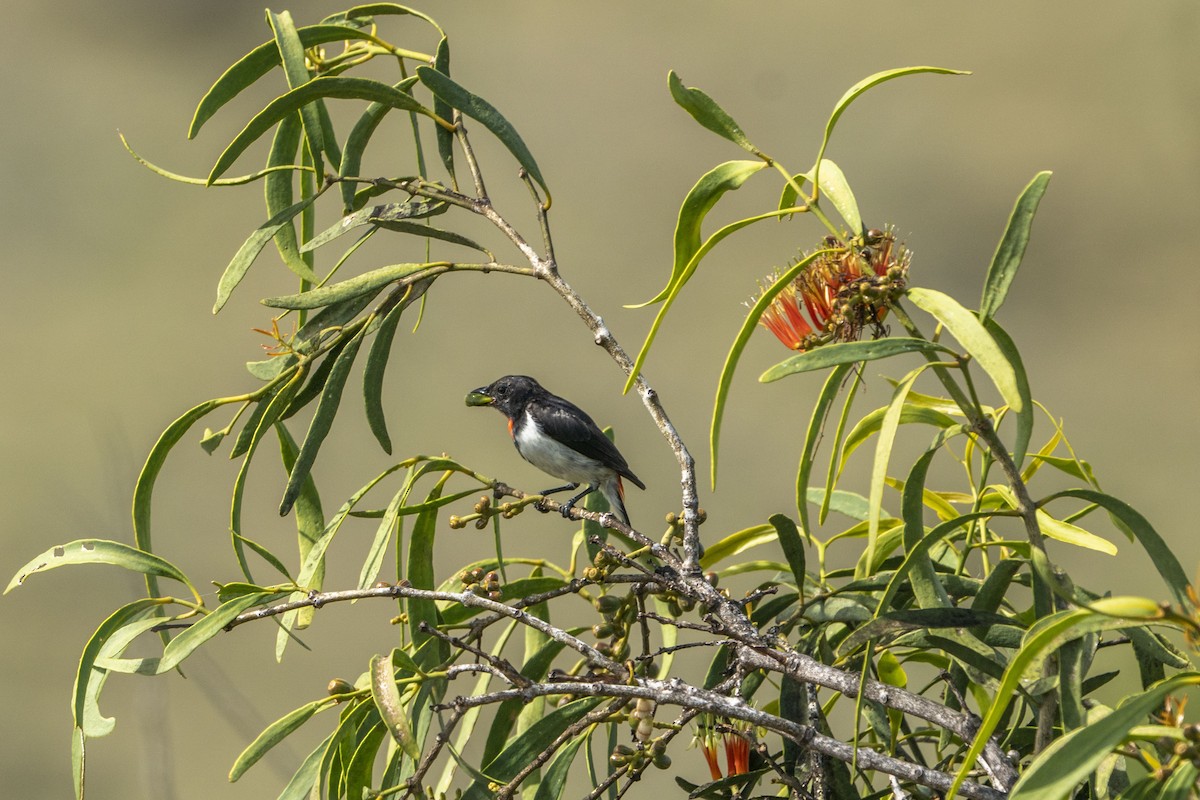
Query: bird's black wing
[(569, 424)]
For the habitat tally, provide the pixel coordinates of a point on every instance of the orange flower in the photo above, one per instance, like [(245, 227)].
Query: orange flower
[(784, 319)]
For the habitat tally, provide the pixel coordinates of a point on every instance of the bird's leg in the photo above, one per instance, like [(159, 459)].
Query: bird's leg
[(557, 489), (567, 506), (565, 487)]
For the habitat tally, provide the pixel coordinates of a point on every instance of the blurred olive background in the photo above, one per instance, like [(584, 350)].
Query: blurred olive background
[(112, 271)]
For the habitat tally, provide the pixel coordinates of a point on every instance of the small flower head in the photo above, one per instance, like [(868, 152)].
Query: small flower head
[(783, 317), (845, 290)]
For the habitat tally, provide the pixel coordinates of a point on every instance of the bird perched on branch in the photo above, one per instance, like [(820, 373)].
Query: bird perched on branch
[(558, 438)]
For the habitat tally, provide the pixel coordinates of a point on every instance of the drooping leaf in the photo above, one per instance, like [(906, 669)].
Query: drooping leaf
[(386, 695), (287, 104), (700, 200), (974, 338), (521, 750), (417, 208), (555, 780), (366, 285), (1069, 759), (1025, 415), (793, 546), (831, 355), (89, 679), (322, 421), (257, 63), (480, 110), (310, 518), (209, 626), (421, 576), (1046, 634), (1161, 556), (855, 91), (143, 491), (883, 453), (275, 733), (100, 551), (1011, 249), (377, 360), (360, 136), (296, 71), (708, 113), (736, 543), (248, 252), (834, 186), (735, 354), (445, 137), (816, 427)]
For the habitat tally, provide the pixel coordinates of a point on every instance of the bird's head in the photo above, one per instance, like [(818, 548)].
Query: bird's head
[(508, 395)]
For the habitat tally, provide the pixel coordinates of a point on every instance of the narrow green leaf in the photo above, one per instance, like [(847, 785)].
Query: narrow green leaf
[(429, 232), (1011, 249), (358, 774), (445, 137), (850, 504), (143, 491), (421, 576), (708, 113), (690, 270), (855, 91), (377, 360), (735, 353), (257, 63), (555, 780), (927, 589), (995, 588), (318, 429), (736, 543), (275, 733), (366, 285), (310, 518), (376, 215), (793, 546), (834, 186), (869, 425), (279, 195), (360, 136), (209, 626), (1046, 634), (100, 551), (386, 695), (700, 200), (816, 427), (831, 355), (1069, 759), (1071, 534), (89, 679), (965, 327), (883, 453), (521, 750), (248, 252), (480, 110), (1161, 556), (78, 758), (832, 474), (1025, 415), (284, 105), (296, 71)]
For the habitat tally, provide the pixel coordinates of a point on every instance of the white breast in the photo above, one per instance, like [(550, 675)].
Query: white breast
[(553, 458)]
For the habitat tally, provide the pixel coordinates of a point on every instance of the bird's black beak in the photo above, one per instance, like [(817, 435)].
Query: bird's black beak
[(479, 397)]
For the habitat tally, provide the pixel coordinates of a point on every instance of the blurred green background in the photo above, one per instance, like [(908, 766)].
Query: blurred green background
[(112, 272)]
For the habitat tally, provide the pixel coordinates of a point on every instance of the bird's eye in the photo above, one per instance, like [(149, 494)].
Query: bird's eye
[(501, 390)]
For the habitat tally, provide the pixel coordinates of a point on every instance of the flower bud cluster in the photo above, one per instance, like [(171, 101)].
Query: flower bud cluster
[(482, 584)]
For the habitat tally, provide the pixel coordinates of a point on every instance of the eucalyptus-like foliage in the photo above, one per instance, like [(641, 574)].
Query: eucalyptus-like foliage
[(953, 657)]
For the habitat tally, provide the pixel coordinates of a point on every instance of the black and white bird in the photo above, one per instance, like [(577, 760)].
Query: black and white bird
[(558, 438)]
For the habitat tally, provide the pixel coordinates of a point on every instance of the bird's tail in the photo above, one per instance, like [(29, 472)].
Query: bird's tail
[(614, 492)]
